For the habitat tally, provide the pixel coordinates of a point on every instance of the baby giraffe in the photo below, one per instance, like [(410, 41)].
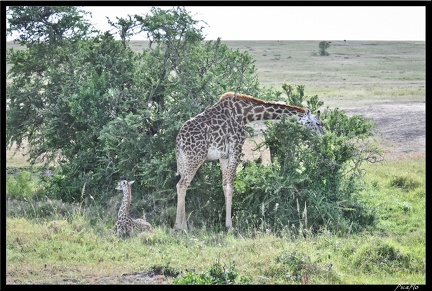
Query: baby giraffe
[(126, 224)]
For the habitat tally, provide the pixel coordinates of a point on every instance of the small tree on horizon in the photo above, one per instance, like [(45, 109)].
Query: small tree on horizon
[(323, 46)]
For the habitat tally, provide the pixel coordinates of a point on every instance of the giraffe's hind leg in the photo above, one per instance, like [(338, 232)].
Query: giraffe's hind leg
[(182, 186), (228, 168)]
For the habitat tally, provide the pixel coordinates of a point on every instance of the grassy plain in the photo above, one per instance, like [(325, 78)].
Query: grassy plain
[(64, 248), (355, 72)]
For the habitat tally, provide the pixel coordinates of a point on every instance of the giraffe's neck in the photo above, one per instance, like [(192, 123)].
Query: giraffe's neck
[(124, 208), (253, 109)]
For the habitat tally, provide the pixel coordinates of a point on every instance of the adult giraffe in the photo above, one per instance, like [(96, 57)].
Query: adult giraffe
[(218, 133)]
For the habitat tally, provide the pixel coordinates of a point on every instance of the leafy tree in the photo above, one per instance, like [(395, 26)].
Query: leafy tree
[(179, 76), (125, 28), (103, 110), (51, 36), (52, 24), (323, 46)]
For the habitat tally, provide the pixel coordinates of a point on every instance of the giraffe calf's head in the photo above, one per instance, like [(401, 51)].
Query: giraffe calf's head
[(123, 184), (312, 121)]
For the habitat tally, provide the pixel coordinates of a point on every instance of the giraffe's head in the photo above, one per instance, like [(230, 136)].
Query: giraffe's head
[(123, 184), (312, 121)]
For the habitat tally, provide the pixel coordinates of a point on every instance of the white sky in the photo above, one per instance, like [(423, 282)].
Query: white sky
[(290, 22), (293, 22)]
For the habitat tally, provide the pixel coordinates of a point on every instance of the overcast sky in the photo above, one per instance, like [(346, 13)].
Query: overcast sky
[(293, 22), (290, 22)]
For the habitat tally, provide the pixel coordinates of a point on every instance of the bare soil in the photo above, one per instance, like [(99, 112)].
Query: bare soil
[(401, 127), (133, 278)]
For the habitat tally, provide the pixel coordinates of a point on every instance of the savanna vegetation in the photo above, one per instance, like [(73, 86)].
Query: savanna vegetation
[(90, 108)]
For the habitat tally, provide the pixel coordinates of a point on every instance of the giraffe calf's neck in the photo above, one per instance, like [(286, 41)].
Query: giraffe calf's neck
[(125, 225)]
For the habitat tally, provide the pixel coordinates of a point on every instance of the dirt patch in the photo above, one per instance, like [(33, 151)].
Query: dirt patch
[(139, 278), (134, 278), (402, 127)]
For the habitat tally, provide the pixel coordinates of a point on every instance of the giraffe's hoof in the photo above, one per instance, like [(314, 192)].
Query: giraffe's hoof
[(180, 228)]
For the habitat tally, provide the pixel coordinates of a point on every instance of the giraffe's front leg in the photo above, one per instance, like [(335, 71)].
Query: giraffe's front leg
[(228, 167)]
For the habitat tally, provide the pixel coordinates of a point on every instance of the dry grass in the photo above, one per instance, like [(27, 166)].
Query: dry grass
[(17, 158)]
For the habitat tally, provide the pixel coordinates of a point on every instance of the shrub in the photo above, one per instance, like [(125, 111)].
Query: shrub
[(406, 182), (22, 185), (216, 275), (298, 268), (312, 180)]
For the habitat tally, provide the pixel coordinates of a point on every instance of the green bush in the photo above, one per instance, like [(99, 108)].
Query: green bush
[(298, 268), (216, 275), (108, 111), (406, 182), (312, 181), (22, 185)]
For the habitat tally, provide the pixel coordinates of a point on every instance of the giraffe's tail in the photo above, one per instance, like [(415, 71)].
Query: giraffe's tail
[(177, 178)]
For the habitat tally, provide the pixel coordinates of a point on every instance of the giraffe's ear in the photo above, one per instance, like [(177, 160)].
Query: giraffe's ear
[(131, 182), (308, 112)]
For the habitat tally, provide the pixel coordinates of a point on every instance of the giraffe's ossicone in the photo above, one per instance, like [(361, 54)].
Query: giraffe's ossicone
[(219, 133)]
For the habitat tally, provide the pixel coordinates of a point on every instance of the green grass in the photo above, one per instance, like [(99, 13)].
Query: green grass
[(392, 252), (398, 189)]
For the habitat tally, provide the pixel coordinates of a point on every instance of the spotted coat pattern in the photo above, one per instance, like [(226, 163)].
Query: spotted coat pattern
[(219, 133), (125, 225)]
